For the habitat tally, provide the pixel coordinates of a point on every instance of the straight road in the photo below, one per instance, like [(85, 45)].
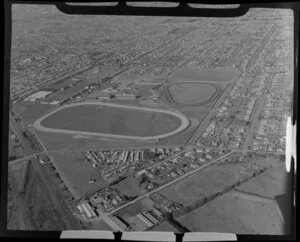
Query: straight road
[(203, 125), (22, 159), (257, 111), (170, 183), (172, 156)]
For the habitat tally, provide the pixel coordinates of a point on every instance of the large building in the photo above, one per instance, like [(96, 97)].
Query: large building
[(87, 210), (125, 96), (145, 220), (99, 95)]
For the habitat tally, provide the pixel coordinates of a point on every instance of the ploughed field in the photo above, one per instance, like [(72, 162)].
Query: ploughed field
[(112, 120)]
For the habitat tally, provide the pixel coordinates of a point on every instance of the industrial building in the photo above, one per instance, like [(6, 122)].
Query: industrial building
[(125, 96), (145, 220), (121, 222), (87, 210), (99, 95), (157, 212), (149, 216)]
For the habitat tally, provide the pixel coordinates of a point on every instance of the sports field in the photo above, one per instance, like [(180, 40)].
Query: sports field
[(192, 93), (114, 120)]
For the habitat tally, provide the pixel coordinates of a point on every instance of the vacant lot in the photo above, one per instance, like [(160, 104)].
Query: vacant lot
[(213, 75), (191, 93), (76, 172), (111, 120)]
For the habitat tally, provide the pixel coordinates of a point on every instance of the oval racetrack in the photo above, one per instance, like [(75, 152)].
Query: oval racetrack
[(113, 121)]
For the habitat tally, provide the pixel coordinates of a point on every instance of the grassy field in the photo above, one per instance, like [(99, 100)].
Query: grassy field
[(271, 184), (213, 179), (191, 93), (165, 226), (33, 208), (98, 225), (213, 75), (112, 121), (125, 79), (33, 112), (200, 185), (54, 141), (13, 210), (70, 91), (256, 206), (21, 106), (182, 137), (129, 187), (142, 89), (198, 113), (78, 173), (232, 214)]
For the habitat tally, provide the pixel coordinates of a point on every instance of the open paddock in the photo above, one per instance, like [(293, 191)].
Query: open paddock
[(73, 168), (21, 106), (30, 112), (70, 91), (271, 183), (165, 226), (231, 214), (62, 83), (143, 90), (197, 113), (202, 184), (126, 78), (56, 141)]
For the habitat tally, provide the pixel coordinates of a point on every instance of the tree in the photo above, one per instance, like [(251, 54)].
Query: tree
[(144, 179)]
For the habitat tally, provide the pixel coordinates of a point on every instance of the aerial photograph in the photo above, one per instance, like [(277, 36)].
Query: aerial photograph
[(149, 123)]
